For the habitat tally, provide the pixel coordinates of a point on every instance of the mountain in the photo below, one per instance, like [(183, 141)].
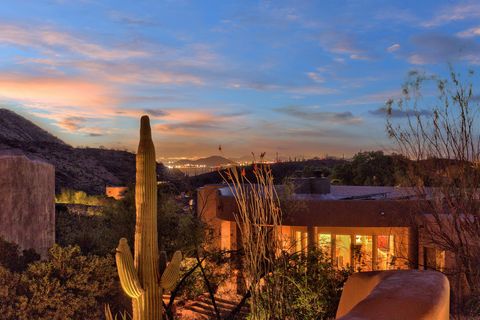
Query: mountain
[(87, 169), (16, 128), (212, 161)]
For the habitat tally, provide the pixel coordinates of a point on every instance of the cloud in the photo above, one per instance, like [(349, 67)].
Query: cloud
[(295, 89), (134, 73), (372, 98), (393, 47), (359, 57), (456, 12), (313, 114), (396, 113), (78, 125), (469, 33), (438, 48), (129, 19), (72, 123), (316, 77), (156, 112), (59, 91), (49, 40), (194, 123), (344, 44), (311, 90)]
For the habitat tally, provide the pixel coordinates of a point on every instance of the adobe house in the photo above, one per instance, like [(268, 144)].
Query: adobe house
[(27, 202), (364, 227)]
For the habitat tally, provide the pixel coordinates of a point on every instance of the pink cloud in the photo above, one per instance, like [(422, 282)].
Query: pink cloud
[(62, 91)]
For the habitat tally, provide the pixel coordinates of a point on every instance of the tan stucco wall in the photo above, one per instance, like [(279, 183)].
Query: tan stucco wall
[(395, 295), (27, 202), (207, 206)]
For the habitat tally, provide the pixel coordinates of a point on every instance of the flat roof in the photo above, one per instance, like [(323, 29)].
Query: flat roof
[(341, 192)]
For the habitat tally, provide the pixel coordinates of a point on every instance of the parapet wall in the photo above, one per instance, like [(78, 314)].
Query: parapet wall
[(27, 202), (395, 295)]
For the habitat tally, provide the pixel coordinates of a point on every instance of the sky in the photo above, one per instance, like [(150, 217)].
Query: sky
[(297, 78)]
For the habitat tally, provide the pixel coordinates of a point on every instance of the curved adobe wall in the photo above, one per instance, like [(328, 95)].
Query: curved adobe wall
[(27, 202), (397, 294)]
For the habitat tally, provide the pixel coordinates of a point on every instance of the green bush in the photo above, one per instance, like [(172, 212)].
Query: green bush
[(67, 286), (311, 286), (79, 197)]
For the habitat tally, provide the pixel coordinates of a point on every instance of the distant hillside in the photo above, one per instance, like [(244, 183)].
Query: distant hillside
[(87, 169), (280, 171), (212, 161), (16, 128)]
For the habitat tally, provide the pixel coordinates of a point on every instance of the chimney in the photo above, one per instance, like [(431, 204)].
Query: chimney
[(312, 185)]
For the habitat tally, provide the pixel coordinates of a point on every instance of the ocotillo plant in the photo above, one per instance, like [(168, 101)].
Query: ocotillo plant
[(141, 278)]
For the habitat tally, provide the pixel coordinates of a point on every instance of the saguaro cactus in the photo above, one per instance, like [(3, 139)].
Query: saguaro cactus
[(141, 277)]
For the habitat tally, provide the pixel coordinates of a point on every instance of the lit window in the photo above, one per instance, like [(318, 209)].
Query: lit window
[(301, 241), (325, 243), (343, 248), (434, 259), (298, 241), (305, 242), (363, 252), (385, 252)]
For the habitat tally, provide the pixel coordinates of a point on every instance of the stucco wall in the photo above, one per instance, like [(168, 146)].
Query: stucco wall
[(400, 294), (27, 202)]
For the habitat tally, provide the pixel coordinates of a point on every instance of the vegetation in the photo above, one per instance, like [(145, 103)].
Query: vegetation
[(79, 197), (259, 219), (444, 144), (68, 285), (313, 285), (371, 168), (14, 260)]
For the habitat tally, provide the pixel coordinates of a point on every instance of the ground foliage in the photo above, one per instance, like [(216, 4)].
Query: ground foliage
[(69, 285)]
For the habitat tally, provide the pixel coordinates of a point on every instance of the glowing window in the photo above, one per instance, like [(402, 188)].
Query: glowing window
[(325, 243), (298, 241), (363, 252), (385, 252), (343, 248)]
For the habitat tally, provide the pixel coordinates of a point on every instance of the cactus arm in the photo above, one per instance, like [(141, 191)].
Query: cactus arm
[(126, 270), (170, 276)]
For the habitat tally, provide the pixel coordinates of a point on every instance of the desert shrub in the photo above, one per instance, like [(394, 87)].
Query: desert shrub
[(177, 229), (88, 232), (79, 197), (14, 260), (67, 286), (312, 284), (9, 293)]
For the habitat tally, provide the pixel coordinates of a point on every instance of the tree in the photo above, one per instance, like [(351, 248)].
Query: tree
[(443, 142)]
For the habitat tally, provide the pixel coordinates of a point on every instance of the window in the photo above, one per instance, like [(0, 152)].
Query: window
[(343, 248), (363, 252), (385, 252), (325, 243), (301, 241), (434, 259), (298, 241)]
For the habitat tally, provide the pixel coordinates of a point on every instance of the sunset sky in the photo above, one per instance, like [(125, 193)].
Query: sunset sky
[(298, 78)]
